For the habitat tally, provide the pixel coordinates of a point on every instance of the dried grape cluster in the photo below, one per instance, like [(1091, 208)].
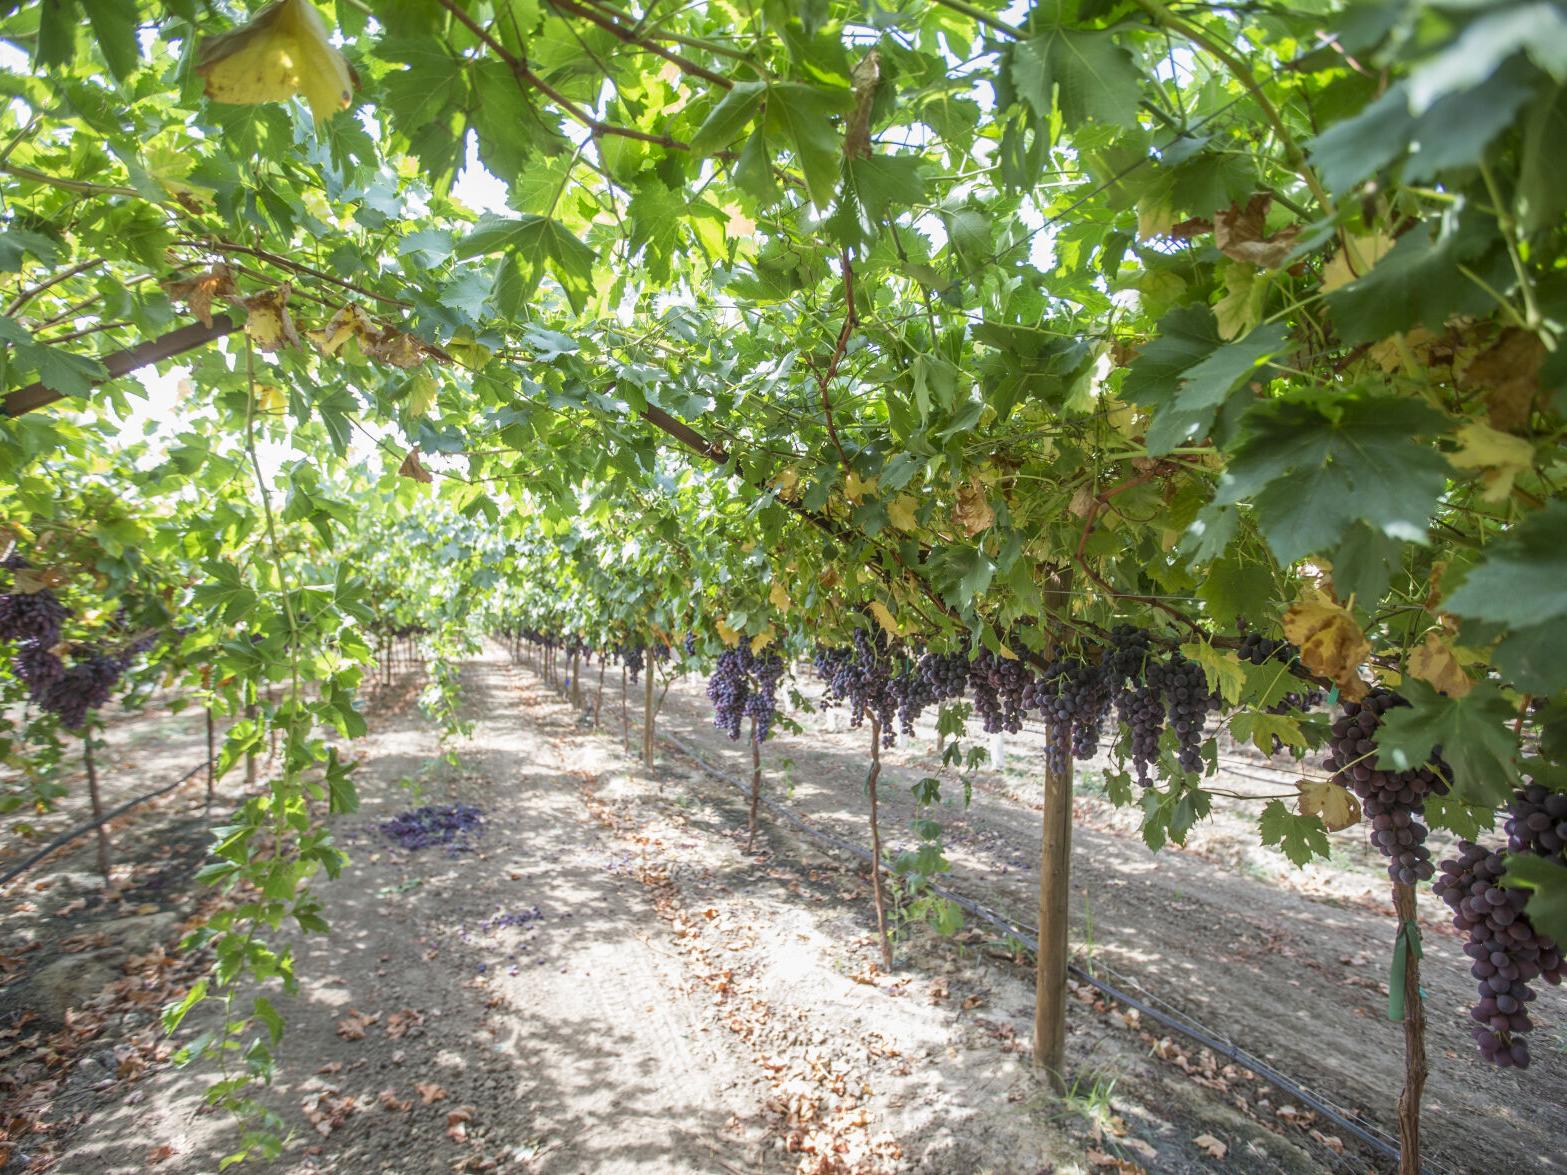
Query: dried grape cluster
[(745, 685), (1393, 800), (1508, 952), (455, 826)]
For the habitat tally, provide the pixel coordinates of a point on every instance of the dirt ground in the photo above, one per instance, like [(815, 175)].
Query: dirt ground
[(609, 982)]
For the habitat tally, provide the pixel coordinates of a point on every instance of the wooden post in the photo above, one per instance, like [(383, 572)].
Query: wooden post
[(576, 684), (756, 786), (876, 894), (1414, 1040), (1055, 871), (96, 801), (598, 696), (647, 707)]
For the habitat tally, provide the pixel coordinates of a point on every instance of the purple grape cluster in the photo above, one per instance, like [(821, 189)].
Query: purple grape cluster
[(85, 686), (1148, 693), (728, 689), (1184, 686), (1393, 800), (1508, 952), (861, 675), (1537, 822), (999, 684), (32, 617), (454, 826), (633, 653), (745, 685), (1075, 696)]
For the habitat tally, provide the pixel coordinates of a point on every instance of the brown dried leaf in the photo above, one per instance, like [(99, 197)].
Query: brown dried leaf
[(1508, 369), (1210, 1146), (1330, 642), (199, 292), (973, 512), (411, 467), (394, 347), (429, 1092), (1238, 233), (390, 1101)]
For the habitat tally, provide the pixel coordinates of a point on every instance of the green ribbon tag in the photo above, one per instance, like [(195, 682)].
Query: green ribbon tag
[(1333, 696), (1406, 944)]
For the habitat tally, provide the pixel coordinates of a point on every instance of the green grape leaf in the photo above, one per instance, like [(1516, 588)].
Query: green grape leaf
[(1522, 580), (1310, 474), (1301, 838), (1473, 732), (1095, 78), (1547, 908)]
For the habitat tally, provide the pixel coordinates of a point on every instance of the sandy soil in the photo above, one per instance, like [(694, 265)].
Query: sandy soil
[(610, 982)]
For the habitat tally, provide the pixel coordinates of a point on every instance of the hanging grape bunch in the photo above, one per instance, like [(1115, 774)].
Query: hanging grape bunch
[(766, 671), (1393, 800), (1184, 686), (861, 675), (998, 684), (1508, 952)]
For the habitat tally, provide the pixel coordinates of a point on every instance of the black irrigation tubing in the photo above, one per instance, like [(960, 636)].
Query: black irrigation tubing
[(1029, 936), (66, 838)]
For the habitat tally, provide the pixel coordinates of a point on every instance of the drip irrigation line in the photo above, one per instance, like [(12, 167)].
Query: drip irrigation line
[(1369, 1134), (66, 838)]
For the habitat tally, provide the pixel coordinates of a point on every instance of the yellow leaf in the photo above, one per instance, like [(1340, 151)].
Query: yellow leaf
[(284, 51), (268, 323), (1436, 664), (1353, 259), (345, 324), (885, 618), (422, 390), (1222, 669), (728, 635), (762, 639), (779, 597), (270, 399), (1154, 220), (1241, 307), (900, 512), (1333, 802), (854, 489), (787, 484), (973, 512), (1330, 642), (1501, 456)]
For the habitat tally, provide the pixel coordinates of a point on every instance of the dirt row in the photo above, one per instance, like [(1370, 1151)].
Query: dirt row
[(609, 981), (1295, 975)]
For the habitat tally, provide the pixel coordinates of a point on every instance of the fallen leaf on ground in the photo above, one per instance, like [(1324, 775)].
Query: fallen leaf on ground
[(429, 1092), (1210, 1146)]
